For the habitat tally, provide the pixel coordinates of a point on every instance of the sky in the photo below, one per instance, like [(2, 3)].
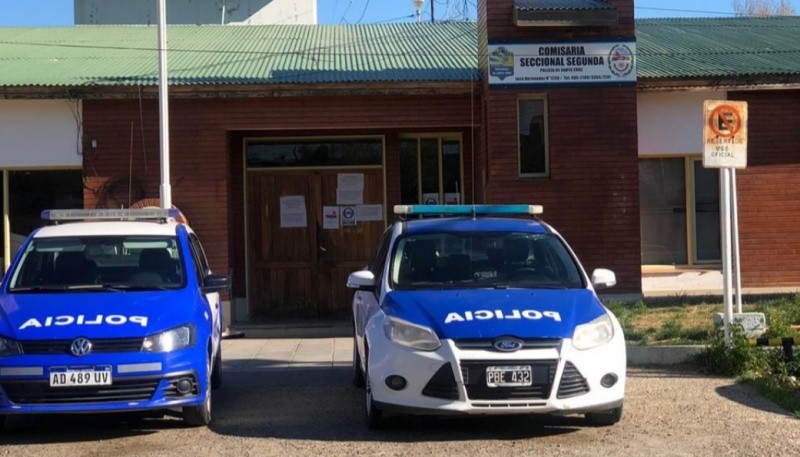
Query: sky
[(27, 13)]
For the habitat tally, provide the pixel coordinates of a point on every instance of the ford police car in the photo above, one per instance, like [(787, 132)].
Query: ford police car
[(465, 313), (112, 310)]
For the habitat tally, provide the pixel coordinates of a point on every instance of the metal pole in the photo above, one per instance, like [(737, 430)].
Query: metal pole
[(736, 254), (725, 200), (163, 104), (6, 224)]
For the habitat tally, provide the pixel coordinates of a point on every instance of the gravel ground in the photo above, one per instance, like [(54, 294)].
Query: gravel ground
[(317, 412)]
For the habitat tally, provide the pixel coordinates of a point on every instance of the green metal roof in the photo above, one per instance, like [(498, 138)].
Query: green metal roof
[(216, 54), (668, 49), (718, 47)]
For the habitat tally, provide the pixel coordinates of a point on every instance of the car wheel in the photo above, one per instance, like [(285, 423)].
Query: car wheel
[(200, 415), (375, 418), (605, 418), (216, 373), (358, 374)]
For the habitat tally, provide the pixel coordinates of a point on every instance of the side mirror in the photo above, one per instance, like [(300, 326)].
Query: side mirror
[(603, 278), (361, 280), (216, 283)]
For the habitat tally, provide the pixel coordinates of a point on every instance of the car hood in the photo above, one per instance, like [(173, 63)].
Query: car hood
[(488, 313), (27, 316)]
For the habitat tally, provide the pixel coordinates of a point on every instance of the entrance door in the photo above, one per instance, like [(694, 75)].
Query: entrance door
[(299, 268)]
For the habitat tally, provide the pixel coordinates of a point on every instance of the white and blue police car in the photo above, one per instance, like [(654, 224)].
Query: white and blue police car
[(110, 310), (468, 312)]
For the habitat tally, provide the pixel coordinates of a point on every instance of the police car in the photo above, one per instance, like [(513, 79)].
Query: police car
[(111, 310), (470, 313)]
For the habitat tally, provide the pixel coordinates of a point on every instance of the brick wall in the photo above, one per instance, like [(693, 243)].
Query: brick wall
[(769, 191), (206, 150)]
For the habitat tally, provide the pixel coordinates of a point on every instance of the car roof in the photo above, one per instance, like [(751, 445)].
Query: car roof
[(101, 228), (470, 224)]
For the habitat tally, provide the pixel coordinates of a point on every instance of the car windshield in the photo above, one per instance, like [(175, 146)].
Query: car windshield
[(470, 260), (99, 263)]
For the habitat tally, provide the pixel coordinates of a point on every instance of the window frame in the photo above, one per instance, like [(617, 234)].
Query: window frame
[(545, 135), (441, 138)]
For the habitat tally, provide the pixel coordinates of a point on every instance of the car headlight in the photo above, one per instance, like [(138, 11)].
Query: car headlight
[(9, 347), (593, 334), (411, 335), (170, 340)]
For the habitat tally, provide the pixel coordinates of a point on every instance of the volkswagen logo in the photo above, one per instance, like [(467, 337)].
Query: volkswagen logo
[(507, 344), (80, 346)]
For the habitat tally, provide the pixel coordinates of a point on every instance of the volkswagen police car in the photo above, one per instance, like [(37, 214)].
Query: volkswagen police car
[(110, 310), (470, 313)]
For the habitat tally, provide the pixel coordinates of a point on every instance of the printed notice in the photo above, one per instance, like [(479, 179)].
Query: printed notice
[(366, 213), (348, 216), (330, 217), (350, 181), (452, 198), (293, 211), (430, 199), (349, 196)]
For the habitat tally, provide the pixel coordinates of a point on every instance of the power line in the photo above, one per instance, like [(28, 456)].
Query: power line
[(363, 13)]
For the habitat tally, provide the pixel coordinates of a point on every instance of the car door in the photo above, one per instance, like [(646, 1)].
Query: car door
[(366, 303), (213, 299)]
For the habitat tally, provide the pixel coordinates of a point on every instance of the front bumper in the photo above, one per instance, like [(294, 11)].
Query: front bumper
[(139, 382), (452, 380)]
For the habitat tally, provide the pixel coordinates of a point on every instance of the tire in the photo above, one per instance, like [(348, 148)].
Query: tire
[(200, 415), (604, 418), (375, 417), (358, 374), (216, 373)]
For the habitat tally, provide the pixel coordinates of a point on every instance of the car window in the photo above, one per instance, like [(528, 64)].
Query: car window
[(484, 259), (379, 257), (199, 257), (99, 263)]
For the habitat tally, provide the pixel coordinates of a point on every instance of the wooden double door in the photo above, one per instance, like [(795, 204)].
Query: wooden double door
[(296, 269)]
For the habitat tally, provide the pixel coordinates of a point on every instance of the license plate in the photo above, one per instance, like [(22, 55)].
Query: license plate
[(72, 378), (510, 376)]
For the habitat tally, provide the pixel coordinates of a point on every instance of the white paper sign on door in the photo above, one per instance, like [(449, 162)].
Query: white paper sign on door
[(452, 198), (293, 211), (430, 199), (348, 216), (330, 217), (350, 181), (349, 196), (366, 213)]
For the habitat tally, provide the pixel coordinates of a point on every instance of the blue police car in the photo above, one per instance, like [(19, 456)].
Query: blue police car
[(470, 313), (110, 310)]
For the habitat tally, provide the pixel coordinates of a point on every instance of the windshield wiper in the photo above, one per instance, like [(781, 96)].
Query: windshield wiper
[(39, 289), (132, 287)]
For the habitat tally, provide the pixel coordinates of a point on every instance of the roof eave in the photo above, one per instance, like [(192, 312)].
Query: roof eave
[(743, 82)]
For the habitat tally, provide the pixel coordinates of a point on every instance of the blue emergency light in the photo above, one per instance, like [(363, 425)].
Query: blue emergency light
[(109, 214), (467, 210)]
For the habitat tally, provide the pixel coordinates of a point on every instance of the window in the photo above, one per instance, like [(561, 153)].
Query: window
[(325, 152), (430, 170), (199, 258), (533, 148)]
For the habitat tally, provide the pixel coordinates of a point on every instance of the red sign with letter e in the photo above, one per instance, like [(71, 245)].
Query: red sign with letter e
[(724, 134)]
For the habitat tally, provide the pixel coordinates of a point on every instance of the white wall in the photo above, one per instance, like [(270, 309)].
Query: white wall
[(39, 133), (672, 122), (197, 11)]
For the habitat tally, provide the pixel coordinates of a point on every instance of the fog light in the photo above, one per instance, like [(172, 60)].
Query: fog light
[(396, 382), (608, 380), (183, 386)]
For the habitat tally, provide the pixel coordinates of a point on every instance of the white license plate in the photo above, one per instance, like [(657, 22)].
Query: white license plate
[(510, 376), (72, 378)]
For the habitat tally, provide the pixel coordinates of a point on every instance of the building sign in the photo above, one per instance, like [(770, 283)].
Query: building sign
[(562, 63), (724, 134)]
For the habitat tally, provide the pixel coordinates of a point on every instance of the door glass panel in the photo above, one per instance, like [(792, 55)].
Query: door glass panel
[(706, 213), (451, 171), (429, 151), (315, 153), (409, 179), (663, 211)]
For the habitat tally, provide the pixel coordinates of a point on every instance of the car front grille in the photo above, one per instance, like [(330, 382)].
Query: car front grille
[(442, 384), (474, 374), (99, 346), (530, 343), (572, 382), (40, 392)]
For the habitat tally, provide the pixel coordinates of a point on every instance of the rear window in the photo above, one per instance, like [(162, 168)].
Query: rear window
[(99, 263), (468, 260)]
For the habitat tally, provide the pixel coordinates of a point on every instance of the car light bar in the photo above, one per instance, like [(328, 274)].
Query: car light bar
[(109, 214), (453, 210)]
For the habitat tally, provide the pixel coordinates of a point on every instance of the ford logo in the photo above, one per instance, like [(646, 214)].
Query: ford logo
[(80, 347), (507, 344)]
